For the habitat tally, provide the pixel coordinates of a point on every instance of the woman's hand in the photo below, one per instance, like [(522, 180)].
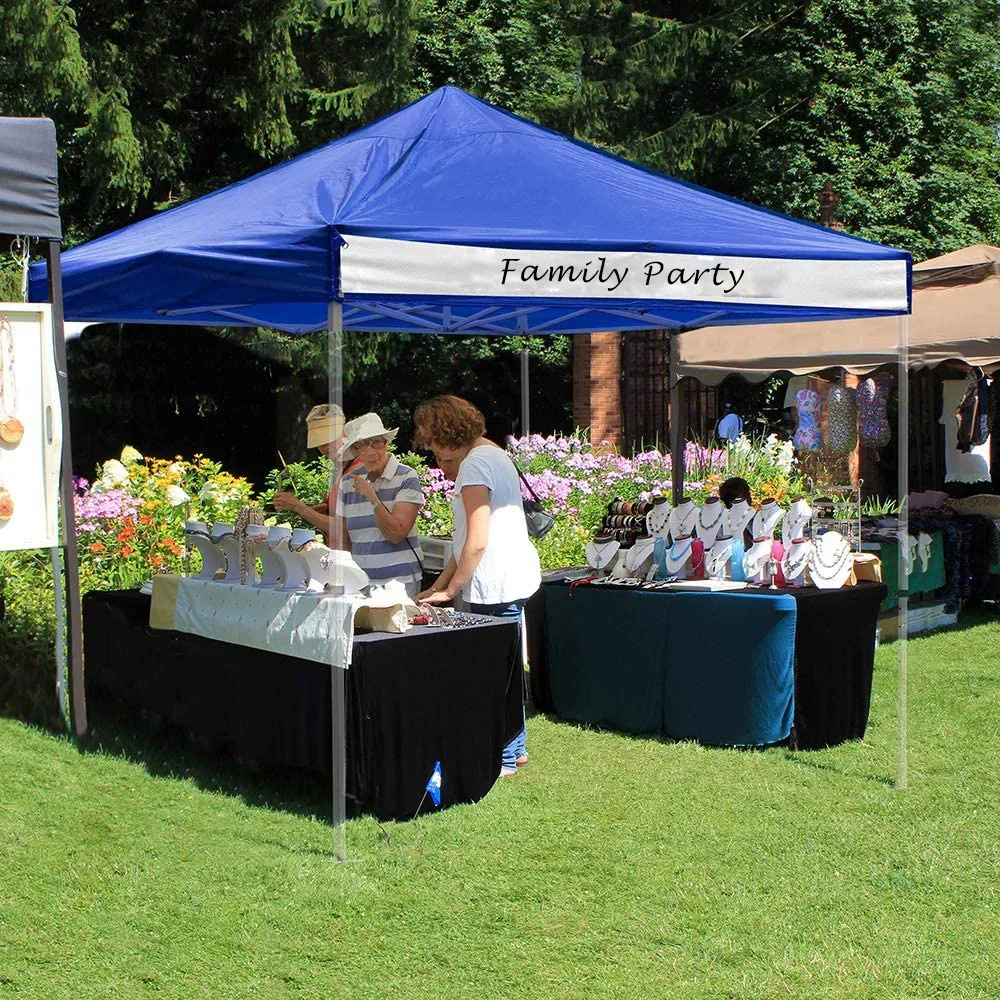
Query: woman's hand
[(286, 501), (434, 597), (363, 486)]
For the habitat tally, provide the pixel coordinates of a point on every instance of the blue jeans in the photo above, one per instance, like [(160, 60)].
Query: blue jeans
[(517, 746)]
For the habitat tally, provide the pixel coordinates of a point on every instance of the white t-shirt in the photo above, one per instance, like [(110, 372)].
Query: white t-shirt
[(509, 570)]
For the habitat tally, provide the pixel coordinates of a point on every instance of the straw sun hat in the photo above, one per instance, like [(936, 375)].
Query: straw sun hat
[(360, 429), (324, 423)]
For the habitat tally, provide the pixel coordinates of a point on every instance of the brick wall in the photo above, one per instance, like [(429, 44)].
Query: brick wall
[(597, 386)]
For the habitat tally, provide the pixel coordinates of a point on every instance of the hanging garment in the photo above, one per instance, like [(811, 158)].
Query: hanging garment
[(983, 424), (808, 404), (972, 465), (873, 422), (966, 414), (841, 419)]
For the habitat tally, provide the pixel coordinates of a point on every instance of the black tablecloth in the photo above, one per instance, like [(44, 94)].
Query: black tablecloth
[(430, 694), (834, 658)]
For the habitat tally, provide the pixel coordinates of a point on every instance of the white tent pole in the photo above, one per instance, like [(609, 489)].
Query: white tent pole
[(338, 731), (903, 489)]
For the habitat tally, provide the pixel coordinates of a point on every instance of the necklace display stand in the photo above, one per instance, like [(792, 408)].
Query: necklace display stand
[(685, 559), (736, 519), (717, 558), (334, 571), (710, 521), (270, 565), (224, 537), (658, 518), (757, 559), (213, 561), (796, 561), (293, 557), (601, 553), (682, 520), (832, 561), (639, 558), (796, 520), (767, 519)]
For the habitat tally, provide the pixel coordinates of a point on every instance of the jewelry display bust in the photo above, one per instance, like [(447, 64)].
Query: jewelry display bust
[(270, 565), (682, 520), (796, 519), (601, 552), (293, 555), (766, 520), (658, 517), (685, 558), (639, 558), (736, 519), (924, 542), (756, 559), (832, 560), (710, 521), (795, 564), (717, 558), (224, 536), (196, 536)]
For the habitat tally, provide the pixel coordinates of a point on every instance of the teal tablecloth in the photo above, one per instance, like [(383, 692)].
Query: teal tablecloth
[(717, 668)]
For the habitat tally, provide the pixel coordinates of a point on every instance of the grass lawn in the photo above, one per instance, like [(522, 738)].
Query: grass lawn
[(612, 867)]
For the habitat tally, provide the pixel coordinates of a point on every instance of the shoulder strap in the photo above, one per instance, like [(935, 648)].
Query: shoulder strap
[(526, 483)]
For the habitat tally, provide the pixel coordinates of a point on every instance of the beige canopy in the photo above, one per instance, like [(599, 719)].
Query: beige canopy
[(956, 317)]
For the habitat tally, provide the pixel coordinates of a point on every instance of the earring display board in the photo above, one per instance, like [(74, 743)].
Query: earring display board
[(30, 429)]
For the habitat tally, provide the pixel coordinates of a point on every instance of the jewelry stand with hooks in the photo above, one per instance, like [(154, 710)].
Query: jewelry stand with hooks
[(841, 511)]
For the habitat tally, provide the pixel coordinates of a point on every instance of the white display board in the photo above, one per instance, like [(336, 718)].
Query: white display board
[(29, 468)]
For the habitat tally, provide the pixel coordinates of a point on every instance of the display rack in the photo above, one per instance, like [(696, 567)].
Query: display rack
[(839, 510)]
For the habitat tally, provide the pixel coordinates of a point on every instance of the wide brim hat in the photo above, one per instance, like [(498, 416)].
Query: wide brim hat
[(324, 424), (360, 429)]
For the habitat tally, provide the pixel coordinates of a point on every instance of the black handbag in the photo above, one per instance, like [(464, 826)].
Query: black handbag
[(537, 519)]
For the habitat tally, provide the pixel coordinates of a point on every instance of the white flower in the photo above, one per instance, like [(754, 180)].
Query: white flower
[(176, 468), (210, 492), (130, 455), (113, 473), (176, 496)]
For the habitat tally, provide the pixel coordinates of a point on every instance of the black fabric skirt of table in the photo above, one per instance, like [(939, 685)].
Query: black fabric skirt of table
[(834, 660), (448, 695)]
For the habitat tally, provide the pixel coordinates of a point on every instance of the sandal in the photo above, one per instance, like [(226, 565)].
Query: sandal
[(522, 760), (507, 772)]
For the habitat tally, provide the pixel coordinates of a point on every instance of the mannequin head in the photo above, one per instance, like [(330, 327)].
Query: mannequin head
[(735, 489)]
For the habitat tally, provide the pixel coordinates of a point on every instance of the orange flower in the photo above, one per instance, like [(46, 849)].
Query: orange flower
[(126, 550), (171, 546), (156, 561), (97, 548), (126, 533), (145, 519)]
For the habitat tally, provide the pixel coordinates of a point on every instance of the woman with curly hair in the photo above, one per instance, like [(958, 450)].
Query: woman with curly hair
[(496, 568)]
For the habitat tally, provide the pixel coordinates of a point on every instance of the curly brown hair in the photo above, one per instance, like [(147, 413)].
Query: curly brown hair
[(448, 421)]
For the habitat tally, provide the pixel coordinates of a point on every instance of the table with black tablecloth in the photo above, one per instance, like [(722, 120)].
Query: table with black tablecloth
[(430, 694), (744, 668)]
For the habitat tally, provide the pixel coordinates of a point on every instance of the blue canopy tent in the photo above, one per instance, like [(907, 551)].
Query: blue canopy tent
[(451, 215)]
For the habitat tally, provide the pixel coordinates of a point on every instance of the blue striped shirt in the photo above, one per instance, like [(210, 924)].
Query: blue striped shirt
[(381, 559)]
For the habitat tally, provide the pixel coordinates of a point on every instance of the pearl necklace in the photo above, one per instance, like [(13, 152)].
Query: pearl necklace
[(827, 572)]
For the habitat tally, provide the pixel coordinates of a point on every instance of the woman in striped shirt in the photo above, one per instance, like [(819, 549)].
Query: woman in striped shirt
[(378, 510)]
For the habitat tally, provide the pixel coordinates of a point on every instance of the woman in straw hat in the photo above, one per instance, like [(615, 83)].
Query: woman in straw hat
[(376, 512), (325, 432)]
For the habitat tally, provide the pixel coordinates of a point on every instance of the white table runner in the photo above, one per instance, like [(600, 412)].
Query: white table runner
[(310, 626)]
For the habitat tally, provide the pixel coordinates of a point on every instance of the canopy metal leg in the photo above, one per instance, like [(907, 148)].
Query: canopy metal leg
[(338, 731), (903, 488)]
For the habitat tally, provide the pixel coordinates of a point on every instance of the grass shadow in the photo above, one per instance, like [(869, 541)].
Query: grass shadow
[(166, 752)]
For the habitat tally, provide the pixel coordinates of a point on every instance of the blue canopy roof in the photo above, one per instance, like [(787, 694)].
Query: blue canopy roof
[(453, 215)]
